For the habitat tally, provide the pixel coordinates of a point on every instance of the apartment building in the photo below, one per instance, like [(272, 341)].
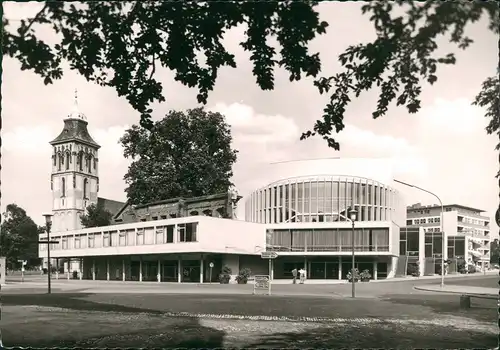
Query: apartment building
[(466, 232)]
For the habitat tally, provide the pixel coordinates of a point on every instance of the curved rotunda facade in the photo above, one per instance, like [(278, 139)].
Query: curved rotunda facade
[(324, 198)]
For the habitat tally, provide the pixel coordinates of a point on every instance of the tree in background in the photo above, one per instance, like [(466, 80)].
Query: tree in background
[(95, 216), (19, 237), (186, 154), (119, 44)]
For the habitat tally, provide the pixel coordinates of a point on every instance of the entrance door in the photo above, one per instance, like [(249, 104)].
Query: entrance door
[(332, 271), (191, 271), (169, 271), (134, 270), (317, 270)]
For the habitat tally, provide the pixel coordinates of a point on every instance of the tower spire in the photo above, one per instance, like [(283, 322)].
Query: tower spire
[(75, 113)]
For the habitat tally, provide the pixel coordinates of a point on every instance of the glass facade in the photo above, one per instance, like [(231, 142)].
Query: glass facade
[(433, 245), (321, 199), (456, 247), (328, 240), (409, 241)]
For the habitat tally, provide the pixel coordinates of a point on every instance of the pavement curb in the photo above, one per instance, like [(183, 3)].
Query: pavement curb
[(438, 290)]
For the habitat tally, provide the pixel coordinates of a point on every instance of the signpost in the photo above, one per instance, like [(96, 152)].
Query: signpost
[(264, 282), (211, 266), (49, 272)]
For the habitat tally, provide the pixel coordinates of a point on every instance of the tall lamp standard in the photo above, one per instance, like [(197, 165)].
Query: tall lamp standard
[(442, 219), (48, 225), (353, 215)]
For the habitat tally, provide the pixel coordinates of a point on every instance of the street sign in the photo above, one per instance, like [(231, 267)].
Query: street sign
[(262, 283), (211, 265), (268, 255)]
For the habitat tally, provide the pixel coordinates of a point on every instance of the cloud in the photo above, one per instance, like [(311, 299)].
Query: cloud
[(456, 116), (250, 127), (32, 140), (405, 157)]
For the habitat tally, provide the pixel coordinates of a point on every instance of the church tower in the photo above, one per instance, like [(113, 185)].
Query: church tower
[(74, 179)]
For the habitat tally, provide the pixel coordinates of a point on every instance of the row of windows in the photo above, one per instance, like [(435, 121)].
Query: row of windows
[(65, 160), (423, 211), (420, 221), (328, 239), (162, 235), (312, 198), (364, 213), (86, 188), (473, 221)]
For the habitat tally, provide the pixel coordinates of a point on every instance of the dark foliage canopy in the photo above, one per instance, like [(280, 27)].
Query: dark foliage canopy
[(120, 44), (19, 236), (183, 155), (96, 215)]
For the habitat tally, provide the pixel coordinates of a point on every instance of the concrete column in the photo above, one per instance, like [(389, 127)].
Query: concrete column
[(158, 273), (375, 267), (179, 270), (69, 268), (340, 268), (421, 250), (107, 269), (305, 266), (140, 269), (93, 270), (57, 269), (201, 269), (124, 275), (81, 269)]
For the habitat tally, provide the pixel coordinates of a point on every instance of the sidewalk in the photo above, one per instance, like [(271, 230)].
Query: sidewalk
[(454, 289)]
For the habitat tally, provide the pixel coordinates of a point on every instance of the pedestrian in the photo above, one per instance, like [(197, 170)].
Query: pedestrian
[(302, 273), (294, 274)]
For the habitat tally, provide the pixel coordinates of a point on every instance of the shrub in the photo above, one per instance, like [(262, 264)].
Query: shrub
[(461, 264), (225, 275), (471, 269), (243, 276), (75, 275), (413, 270), (365, 275), (356, 276)]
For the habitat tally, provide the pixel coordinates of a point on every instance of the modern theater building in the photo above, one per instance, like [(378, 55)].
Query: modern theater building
[(301, 214), (307, 220)]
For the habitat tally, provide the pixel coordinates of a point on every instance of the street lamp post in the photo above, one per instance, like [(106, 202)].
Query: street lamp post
[(352, 215), (48, 225), (442, 219)]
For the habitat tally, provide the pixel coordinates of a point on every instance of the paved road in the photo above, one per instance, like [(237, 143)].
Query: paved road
[(363, 290)]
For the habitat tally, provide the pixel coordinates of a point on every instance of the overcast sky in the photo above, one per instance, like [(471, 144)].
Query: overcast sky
[(444, 148)]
